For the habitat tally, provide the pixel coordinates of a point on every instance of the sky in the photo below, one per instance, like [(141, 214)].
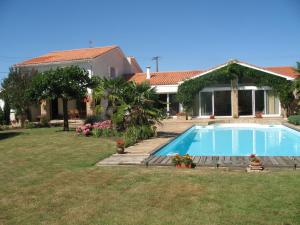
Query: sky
[(186, 34)]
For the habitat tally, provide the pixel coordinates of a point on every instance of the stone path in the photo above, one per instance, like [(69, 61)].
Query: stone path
[(137, 153)]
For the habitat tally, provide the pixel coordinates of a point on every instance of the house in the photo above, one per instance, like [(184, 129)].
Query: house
[(108, 61), (220, 100)]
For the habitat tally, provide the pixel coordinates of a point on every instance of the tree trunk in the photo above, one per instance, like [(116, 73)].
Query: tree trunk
[(22, 119), (186, 115), (65, 112)]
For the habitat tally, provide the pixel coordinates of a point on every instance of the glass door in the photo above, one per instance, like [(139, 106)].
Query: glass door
[(222, 103), (206, 103), (245, 102)]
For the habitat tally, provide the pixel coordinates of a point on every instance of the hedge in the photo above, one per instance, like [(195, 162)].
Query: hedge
[(294, 119)]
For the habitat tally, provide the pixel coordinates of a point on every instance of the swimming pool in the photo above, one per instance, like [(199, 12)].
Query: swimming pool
[(235, 140)]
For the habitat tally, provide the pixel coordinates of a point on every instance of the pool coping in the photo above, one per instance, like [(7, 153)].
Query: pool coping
[(170, 140), (225, 161)]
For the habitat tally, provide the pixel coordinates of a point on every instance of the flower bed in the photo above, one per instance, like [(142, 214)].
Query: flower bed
[(87, 129)]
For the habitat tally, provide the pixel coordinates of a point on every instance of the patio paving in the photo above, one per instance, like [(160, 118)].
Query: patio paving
[(170, 128)]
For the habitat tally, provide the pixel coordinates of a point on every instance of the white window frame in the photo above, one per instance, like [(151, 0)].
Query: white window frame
[(252, 88)]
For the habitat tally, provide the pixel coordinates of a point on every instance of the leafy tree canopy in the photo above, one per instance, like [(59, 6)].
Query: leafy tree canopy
[(66, 83), (14, 89)]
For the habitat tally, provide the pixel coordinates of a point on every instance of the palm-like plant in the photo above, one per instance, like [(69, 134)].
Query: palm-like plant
[(129, 104), (140, 106), (110, 90)]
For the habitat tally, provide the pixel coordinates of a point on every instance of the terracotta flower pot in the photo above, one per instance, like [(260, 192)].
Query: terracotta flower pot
[(255, 163), (183, 166), (120, 150)]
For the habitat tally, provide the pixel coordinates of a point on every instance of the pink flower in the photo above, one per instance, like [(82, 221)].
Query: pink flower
[(86, 132)]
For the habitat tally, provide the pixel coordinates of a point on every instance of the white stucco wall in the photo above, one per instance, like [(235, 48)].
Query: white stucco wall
[(114, 58)]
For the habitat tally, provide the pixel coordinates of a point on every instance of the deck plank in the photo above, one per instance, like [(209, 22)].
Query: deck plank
[(209, 160), (274, 161), (227, 161)]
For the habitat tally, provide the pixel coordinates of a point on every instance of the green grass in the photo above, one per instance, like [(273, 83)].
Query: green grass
[(49, 177)]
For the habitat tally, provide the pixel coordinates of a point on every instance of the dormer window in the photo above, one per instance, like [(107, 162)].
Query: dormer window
[(112, 72)]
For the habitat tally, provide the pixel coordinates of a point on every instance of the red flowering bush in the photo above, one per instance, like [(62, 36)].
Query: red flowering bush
[(254, 158)]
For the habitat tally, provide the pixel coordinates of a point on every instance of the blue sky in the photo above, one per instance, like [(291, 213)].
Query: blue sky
[(186, 34)]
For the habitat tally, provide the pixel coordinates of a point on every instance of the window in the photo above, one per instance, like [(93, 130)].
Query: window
[(112, 72), (206, 103)]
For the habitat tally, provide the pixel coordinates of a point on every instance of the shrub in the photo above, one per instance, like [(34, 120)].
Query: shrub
[(130, 136), (106, 132), (92, 119), (98, 129), (295, 119), (97, 132), (4, 127), (30, 125), (134, 134), (44, 121)]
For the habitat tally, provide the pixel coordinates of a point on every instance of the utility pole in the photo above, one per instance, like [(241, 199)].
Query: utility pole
[(156, 59), (90, 43)]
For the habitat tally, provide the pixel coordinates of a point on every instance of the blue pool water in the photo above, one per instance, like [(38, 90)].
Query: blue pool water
[(235, 140)]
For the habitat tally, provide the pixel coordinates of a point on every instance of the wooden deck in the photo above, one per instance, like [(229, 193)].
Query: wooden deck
[(228, 161)]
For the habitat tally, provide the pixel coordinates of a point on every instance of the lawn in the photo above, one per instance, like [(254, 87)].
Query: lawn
[(48, 177)]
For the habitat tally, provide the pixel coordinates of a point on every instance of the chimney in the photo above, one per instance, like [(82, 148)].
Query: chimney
[(148, 73)]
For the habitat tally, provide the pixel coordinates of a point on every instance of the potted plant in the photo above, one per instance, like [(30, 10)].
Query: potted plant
[(120, 146), (258, 115), (185, 161), (212, 117), (255, 162), (176, 160)]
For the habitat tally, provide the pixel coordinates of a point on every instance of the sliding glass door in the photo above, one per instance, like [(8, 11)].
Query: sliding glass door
[(206, 103), (250, 102), (216, 103), (245, 102), (222, 103)]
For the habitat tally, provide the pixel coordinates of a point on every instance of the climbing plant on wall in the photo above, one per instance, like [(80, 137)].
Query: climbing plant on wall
[(282, 87)]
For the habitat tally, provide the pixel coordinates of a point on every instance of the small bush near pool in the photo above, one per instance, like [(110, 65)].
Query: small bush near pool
[(295, 119), (134, 134)]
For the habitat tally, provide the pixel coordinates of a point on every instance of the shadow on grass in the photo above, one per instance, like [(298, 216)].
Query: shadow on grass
[(9, 134)]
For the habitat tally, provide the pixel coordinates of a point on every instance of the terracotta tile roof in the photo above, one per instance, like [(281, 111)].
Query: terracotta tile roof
[(169, 78), (68, 55), (164, 78), (284, 70)]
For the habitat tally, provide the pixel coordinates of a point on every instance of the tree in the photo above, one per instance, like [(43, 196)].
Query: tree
[(66, 83), (14, 89), (129, 104), (111, 90)]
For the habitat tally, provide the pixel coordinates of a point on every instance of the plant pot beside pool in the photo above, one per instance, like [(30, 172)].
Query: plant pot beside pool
[(185, 161), (120, 146), (182, 165), (255, 163)]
